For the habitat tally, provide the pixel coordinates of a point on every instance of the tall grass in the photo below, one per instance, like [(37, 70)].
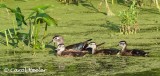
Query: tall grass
[(129, 20), (39, 18), (36, 19)]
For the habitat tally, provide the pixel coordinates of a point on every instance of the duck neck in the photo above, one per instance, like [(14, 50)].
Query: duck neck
[(123, 48), (93, 51), (61, 42)]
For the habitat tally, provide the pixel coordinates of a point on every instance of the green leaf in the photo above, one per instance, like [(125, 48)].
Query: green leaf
[(49, 20), (19, 17), (42, 7)]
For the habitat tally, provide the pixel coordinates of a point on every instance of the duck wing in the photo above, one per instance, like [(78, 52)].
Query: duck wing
[(137, 52), (79, 46), (74, 53), (110, 51), (79, 53), (113, 51)]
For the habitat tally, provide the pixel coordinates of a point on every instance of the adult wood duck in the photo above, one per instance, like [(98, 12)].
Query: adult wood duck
[(93, 46), (77, 46), (62, 51), (131, 52)]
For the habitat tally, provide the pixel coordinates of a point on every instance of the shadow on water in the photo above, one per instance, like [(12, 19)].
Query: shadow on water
[(16, 38), (90, 6), (111, 26), (152, 72), (150, 29), (150, 10), (53, 51), (2, 34), (2, 41), (121, 2), (11, 30)]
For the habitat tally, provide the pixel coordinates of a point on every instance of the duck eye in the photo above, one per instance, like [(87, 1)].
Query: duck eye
[(121, 44), (93, 43)]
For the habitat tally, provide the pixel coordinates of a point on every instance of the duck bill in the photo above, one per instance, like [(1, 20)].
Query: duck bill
[(87, 47), (56, 49)]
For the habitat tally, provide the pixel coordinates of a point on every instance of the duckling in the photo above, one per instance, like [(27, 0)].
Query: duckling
[(62, 51), (132, 52), (93, 46), (77, 46), (89, 49)]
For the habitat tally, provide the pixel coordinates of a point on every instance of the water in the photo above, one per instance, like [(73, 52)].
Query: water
[(44, 63)]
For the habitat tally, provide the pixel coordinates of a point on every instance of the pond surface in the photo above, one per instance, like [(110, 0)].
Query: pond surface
[(45, 63)]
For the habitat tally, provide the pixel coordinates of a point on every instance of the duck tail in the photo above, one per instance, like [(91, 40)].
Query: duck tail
[(85, 42), (88, 40), (146, 54), (100, 44)]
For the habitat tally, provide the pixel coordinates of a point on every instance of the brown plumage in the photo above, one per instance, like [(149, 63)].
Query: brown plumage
[(61, 51), (77, 46), (132, 52), (94, 50)]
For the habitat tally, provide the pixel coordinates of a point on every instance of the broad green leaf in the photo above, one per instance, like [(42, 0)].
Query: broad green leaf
[(49, 20), (19, 17), (42, 7)]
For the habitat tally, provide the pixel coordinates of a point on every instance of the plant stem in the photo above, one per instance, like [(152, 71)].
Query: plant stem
[(6, 38), (10, 33)]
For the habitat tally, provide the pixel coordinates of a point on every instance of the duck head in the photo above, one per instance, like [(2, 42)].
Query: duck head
[(93, 46), (123, 44), (57, 39)]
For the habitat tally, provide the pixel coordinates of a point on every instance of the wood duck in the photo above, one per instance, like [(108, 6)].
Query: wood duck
[(93, 46), (62, 51), (132, 52), (77, 46)]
